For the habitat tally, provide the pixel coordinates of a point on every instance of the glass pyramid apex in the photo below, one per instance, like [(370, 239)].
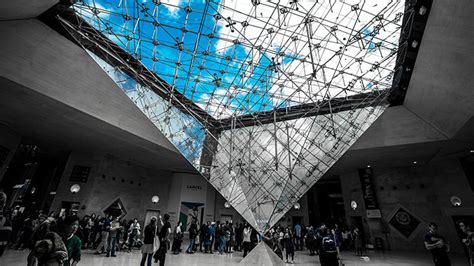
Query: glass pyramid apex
[(290, 85)]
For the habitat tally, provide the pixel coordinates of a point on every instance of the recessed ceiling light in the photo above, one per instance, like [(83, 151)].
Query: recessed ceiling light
[(368, 166), (415, 162), (471, 151)]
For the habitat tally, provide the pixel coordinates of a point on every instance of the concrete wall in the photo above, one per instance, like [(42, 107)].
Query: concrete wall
[(110, 179), (397, 126), (424, 191), (10, 140), (105, 185), (42, 60), (440, 90)]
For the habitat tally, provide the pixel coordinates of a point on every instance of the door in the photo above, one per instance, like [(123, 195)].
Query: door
[(226, 218), (149, 214), (297, 220)]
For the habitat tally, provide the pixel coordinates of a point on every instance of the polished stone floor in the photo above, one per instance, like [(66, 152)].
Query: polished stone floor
[(15, 257)]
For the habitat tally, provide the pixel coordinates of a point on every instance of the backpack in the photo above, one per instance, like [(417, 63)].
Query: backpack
[(328, 245)]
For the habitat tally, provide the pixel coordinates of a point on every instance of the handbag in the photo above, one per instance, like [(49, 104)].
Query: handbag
[(156, 241)]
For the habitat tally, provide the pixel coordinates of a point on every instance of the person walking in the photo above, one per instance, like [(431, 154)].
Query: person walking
[(438, 246)]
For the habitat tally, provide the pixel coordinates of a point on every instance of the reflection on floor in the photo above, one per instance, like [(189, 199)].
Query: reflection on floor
[(15, 257)]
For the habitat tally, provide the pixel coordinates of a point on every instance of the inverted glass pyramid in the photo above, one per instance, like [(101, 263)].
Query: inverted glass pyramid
[(289, 86)]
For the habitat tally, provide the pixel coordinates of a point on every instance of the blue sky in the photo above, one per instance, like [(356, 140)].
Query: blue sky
[(205, 78), (196, 53)]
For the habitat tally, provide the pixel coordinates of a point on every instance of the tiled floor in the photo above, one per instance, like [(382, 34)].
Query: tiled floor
[(15, 257)]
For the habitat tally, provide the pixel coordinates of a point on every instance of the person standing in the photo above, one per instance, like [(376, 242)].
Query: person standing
[(104, 234), (239, 229), (149, 245), (310, 241), (468, 240), (134, 231), (202, 235), (246, 235), (438, 246), (164, 235), (178, 238), (222, 238), (72, 242), (210, 236), (5, 224), (289, 246), (329, 252), (358, 241), (112, 241), (192, 238), (298, 236)]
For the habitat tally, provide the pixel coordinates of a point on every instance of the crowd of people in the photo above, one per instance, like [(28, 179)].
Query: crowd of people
[(59, 238)]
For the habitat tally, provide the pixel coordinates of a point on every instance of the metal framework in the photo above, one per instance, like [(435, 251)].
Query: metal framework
[(262, 97)]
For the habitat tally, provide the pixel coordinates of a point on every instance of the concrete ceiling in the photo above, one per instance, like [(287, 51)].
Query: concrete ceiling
[(24, 9), (50, 123), (441, 87)]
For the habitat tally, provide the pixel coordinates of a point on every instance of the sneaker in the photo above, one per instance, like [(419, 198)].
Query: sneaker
[(107, 255), (114, 255)]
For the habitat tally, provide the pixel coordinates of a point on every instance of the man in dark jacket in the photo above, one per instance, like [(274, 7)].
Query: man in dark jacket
[(203, 234)]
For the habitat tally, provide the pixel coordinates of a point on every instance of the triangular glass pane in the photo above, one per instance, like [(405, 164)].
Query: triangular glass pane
[(260, 97)]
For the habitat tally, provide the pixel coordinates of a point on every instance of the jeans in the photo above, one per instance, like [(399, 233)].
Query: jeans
[(191, 245), (146, 257), (222, 244), (103, 241), (111, 245), (246, 248), (160, 254), (298, 245)]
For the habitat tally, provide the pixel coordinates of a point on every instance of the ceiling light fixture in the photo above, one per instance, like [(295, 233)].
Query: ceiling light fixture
[(414, 43), (75, 188), (422, 10)]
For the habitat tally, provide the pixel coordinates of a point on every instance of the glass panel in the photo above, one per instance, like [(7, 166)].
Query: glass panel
[(236, 58)]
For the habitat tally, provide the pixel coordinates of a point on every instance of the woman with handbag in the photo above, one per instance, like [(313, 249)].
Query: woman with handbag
[(149, 242)]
